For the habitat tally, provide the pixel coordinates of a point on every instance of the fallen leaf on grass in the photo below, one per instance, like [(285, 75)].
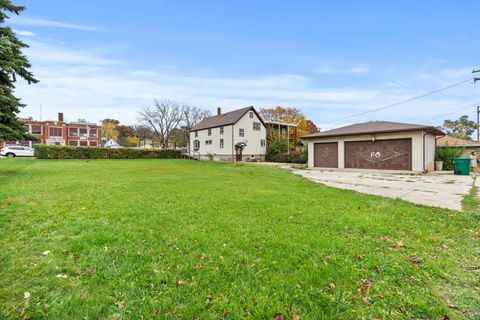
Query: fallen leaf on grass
[(397, 245), (121, 305), (91, 272), (415, 260), (60, 275), (198, 267), (278, 316), (26, 295), (296, 317), (46, 253), (453, 306), (331, 286), (180, 282)]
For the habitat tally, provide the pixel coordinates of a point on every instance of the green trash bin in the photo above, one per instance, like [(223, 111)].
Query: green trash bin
[(461, 166)]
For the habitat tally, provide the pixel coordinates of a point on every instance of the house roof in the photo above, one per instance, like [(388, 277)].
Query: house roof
[(449, 141), (224, 119), (373, 127)]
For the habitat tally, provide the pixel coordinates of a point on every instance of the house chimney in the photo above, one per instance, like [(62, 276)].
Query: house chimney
[(219, 111), (60, 117)]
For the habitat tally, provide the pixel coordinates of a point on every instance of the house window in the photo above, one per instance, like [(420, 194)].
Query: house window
[(208, 142), (241, 133), (221, 143), (256, 126), (36, 129), (73, 132), (196, 134), (262, 143), (26, 128), (196, 144), (209, 132), (93, 132), (83, 143), (83, 132), (93, 143), (73, 143), (221, 130), (250, 114), (55, 132)]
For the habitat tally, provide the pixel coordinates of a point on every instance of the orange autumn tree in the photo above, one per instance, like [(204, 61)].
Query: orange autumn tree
[(290, 115)]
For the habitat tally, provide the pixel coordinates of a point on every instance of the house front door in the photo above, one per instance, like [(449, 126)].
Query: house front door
[(238, 154)]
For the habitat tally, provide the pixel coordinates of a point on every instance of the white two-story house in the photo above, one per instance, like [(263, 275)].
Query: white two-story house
[(238, 135)]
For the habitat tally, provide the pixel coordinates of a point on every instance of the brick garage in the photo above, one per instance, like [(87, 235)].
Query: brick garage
[(375, 145)]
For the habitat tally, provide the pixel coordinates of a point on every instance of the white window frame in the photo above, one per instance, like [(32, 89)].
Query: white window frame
[(241, 132), (221, 143), (55, 136), (38, 125), (77, 135), (257, 126)]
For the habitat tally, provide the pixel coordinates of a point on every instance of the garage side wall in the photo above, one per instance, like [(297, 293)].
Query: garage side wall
[(429, 150), (417, 146)]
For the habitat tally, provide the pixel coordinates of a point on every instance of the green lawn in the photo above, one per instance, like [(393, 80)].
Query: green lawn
[(181, 239)]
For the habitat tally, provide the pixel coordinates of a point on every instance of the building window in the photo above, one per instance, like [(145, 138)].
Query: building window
[(83, 132), (55, 132), (250, 114), (73, 143), (196, 134), (93, 132), (196, 144), (209, 132), (221, 143), (26, 128), (36, 129), (262, 143), (221, 130), (83, 143), (208, 142), (256, 126), (93, 143), (241, 133), (72, 132)]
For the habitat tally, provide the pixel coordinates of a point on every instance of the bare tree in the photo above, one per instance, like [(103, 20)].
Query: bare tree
[(162, 118), (191, 117)]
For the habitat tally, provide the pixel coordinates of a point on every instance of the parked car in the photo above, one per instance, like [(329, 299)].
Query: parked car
[(16, 151)]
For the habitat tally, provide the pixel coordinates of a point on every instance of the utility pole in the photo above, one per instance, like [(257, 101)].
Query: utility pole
[(478, 123)]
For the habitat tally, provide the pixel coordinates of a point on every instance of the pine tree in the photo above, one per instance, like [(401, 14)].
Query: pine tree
[(13, 64)]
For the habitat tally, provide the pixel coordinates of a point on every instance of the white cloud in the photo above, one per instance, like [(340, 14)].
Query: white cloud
[(37, 22), (88, 84), (334, 70), (24, 33)]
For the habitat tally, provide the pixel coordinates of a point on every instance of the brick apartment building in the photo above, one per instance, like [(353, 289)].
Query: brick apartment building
[(61, 133)]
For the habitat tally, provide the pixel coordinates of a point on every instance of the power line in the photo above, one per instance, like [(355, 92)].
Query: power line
[(407, 100)]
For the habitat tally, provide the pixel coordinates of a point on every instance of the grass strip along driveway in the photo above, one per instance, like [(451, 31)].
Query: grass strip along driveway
[(180, 239)]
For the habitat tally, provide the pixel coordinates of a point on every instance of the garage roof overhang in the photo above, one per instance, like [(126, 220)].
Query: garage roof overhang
[(375, 127)]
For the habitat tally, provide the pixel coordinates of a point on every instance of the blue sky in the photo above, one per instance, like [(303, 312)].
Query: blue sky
[(108, 59)]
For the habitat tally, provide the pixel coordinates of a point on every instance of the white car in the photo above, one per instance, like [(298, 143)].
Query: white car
[(16, 151)]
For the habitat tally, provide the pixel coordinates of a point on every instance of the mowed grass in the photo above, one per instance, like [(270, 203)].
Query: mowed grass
[(179, 239)]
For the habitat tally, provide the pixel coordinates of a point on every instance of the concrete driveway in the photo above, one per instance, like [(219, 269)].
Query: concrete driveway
[(438, 190)]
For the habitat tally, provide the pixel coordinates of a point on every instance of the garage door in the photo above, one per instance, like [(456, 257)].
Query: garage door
[(382, 154), (326, 155)]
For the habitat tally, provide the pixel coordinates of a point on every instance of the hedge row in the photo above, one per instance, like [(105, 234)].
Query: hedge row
[(61, 152)]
